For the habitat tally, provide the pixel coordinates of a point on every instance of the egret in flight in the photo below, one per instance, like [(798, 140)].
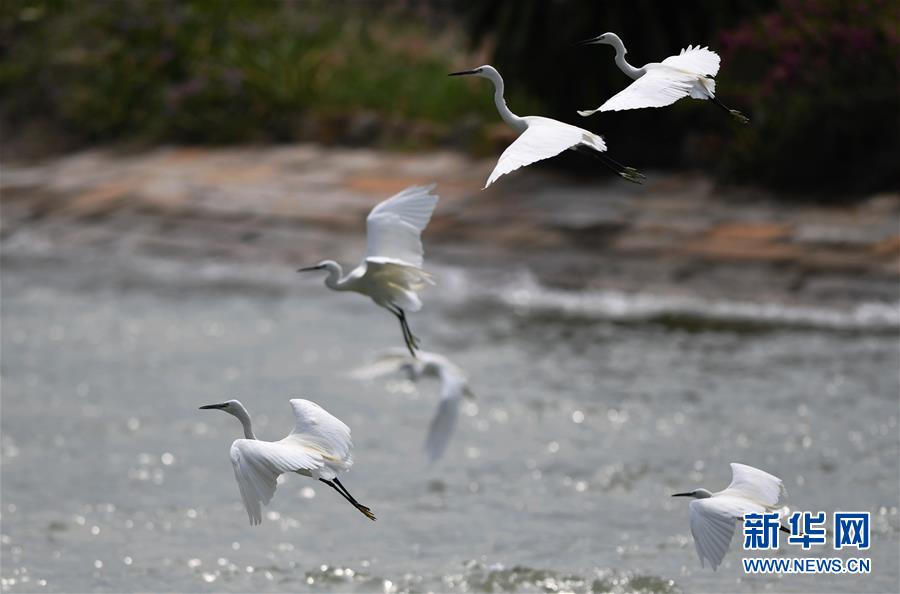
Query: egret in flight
[(391, 272), (714, 515), (658, 84), (318, 447), (541, 138), (454, 386)]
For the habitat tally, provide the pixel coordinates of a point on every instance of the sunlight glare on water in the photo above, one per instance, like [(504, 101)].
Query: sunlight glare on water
[(587, 418)]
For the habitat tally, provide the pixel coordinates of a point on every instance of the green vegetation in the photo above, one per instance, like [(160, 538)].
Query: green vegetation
[(222, 71), (822, 77), (819, 78)]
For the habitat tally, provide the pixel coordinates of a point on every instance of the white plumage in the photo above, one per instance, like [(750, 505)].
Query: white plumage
[(714, 515), (756, 485), (391, 272), (318, 447), (696, 59), (712, 526), (394, 227), (454, 386), (657, 84), (541, 138)]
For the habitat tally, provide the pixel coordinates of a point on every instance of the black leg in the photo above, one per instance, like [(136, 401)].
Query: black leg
[(607, 162), (735, 113), (628, 173), (341, 493), (412, 337), (396, 311), (362, 508), (341, 486), (623, 167), (720, 104), (407, 335), (406, 338)]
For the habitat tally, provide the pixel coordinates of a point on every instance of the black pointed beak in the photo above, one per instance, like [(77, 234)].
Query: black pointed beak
[(590, 41), (463, 72), (688, 494), (308, 268), (212, 406)]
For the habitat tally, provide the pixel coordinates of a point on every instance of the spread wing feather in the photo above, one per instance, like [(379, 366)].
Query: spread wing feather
[(544, 138), (394, 227), (696, 59), (657, 88), (442, 426), (453, 384), (257, 465), (383, 366), (755, 484), (321, 431), (712, 525)]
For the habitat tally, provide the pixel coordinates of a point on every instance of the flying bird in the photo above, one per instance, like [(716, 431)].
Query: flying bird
[(454, 387), (391, 272), (658, 84), (541, 138), (318, 447), (714, 515)]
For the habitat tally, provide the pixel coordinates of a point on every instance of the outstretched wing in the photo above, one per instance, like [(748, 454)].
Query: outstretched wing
[(755, 484), (544, 138), (394, 227), (321, 431), (657, 88), (441, 429), (712, 525), (257, 465), (695, 59), (454, 384), (392, 360), (384, 365)]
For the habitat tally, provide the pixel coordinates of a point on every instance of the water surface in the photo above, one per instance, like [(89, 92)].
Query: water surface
[(591, 410)]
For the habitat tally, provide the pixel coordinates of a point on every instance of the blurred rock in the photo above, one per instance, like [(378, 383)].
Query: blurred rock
[(362, 129), (289, 203)]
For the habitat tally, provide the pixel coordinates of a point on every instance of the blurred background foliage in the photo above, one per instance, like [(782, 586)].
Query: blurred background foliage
[(226, 70), (819, 78)]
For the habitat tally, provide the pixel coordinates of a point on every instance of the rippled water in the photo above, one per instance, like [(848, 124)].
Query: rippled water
[(591, 410)]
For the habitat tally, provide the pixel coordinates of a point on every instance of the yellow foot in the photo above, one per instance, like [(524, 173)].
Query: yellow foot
[(366, 512), (739, 116)]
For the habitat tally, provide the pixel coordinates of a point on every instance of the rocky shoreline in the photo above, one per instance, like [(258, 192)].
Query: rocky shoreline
[(677, 234)]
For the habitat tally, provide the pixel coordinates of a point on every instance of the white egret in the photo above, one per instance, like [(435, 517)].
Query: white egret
[(541, 138), (454, 386), (391, 272), (658, 84), (714, 515), (318, 447)]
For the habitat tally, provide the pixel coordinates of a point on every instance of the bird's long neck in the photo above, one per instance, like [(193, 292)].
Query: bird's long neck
[(333, 280), (508, 116), (622, 63), (244, 417)]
